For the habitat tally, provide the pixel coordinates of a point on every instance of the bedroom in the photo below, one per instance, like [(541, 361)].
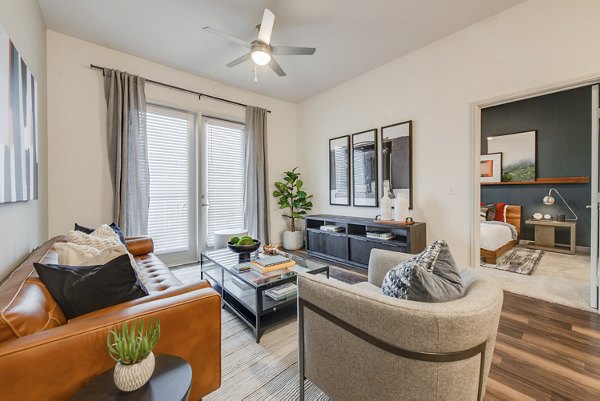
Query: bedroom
[(536, 173)]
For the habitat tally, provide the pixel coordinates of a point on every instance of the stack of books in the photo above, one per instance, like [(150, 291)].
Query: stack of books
[(330, 228), (380, 235), (259, 278), (272, 263), (282, 292)]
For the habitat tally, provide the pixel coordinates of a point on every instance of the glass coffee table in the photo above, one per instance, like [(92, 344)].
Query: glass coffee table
[(244, 292)]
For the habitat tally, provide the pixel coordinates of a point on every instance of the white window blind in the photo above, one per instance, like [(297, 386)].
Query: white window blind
[(170, 156), (225, 175)]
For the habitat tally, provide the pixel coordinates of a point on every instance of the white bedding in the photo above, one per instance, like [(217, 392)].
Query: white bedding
[(496, 235)]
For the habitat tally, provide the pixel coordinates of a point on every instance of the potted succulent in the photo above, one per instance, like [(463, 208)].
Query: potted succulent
[(290, 196), (131, 347)]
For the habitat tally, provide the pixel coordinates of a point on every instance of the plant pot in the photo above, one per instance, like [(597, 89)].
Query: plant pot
[(293, 240), (132, 377)]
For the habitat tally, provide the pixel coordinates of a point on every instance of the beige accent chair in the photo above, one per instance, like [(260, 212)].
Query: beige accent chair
[(357, 344)]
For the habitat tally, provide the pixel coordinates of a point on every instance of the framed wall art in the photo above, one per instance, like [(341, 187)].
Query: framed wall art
[(519, 152), (396, 159), (339, 171), (18, 126), (364, 169), (490, 167)]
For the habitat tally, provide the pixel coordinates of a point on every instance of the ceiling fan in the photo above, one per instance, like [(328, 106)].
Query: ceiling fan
[(261, 51)]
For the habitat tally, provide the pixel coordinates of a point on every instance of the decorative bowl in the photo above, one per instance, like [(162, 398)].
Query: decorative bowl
[(244, 251)]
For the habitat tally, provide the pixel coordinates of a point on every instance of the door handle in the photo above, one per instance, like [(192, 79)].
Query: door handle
[(205, 205), (588, 206)]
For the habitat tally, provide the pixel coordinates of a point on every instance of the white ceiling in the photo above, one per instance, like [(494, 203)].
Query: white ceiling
[(351, 36)]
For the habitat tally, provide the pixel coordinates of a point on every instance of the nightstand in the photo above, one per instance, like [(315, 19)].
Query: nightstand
[(545, 235)]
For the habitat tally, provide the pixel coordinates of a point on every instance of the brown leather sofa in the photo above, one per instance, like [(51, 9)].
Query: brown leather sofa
[(45, 357)]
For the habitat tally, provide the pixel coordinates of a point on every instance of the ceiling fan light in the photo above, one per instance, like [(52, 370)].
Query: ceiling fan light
[(261, 57)]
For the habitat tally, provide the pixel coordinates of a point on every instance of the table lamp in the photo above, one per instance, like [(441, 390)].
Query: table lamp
[(549, 200)]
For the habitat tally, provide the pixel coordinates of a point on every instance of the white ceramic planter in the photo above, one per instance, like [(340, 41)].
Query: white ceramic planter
[(293, 240), (132, 377)]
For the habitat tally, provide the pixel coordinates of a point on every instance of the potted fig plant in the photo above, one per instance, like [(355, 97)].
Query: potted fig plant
[(131, 347), (290, 196)]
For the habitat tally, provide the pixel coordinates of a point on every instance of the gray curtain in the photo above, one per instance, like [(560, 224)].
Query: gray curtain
[(127, 150), (256, 194)]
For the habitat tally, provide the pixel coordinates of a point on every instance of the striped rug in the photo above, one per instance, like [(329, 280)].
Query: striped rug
[(264, 371)]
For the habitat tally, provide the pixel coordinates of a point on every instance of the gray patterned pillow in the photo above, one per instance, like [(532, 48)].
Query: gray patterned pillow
[(431, 276)]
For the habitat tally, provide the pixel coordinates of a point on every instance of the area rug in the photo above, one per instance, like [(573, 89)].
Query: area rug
[(518, 260), (264, 371), (559, 278)]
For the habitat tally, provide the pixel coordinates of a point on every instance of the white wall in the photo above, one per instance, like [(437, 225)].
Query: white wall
[(23, 225), (79, 181), (534, 44)]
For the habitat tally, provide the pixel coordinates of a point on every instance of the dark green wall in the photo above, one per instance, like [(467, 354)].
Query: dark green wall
[(563, 124)]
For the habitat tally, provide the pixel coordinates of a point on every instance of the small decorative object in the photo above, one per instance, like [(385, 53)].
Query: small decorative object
[(291, 196), (547, 217), (131, 347), (272, 249), (550, 200), (385, 205), (538, 216), (243, 246), (400, 207), (396, 158), (364, 168), (409, 221), (339, 171), (560, 217), (19, 126), (490, 167), (518, 155)]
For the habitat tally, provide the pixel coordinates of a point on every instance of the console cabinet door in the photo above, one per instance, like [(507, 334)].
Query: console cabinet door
[(336, 246), (360, 250), (316, 242)]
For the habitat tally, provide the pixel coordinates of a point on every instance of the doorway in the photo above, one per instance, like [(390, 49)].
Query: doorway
[(560, 121)]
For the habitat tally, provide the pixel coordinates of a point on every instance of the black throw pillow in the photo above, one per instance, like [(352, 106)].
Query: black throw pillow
[(114, 227), (83, 289)]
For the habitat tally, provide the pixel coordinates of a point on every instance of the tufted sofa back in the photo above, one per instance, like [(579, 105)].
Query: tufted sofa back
[(26, 306)]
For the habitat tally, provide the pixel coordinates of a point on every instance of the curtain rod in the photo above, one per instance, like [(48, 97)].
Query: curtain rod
[(178, 88)]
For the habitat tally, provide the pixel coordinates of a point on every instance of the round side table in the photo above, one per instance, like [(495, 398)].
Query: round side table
[(171, 380)]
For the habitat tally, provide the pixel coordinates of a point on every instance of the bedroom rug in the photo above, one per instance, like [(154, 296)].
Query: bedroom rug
[(559, 278), (518, 260)]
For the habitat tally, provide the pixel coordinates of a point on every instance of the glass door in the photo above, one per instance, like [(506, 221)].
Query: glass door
[(223, 166), (172, 220)]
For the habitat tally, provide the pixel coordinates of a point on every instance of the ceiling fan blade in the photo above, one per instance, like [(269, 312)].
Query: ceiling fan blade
[(293, 51), (266, 26), (227, 36), (239, 60), (277, 68)]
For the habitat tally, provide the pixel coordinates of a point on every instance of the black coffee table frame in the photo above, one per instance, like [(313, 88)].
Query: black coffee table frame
[(247, 300)]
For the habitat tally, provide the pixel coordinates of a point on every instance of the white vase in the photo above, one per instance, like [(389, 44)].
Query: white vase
[(400, 207), (293, 240), (385, 207), (132, 377)]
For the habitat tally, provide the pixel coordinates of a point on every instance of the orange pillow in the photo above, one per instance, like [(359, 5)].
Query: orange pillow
[(500, 212)]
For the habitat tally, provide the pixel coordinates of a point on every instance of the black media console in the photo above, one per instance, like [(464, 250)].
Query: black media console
[(351, 246)]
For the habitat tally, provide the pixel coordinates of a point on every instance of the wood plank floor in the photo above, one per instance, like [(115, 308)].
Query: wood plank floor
[(544, 351)]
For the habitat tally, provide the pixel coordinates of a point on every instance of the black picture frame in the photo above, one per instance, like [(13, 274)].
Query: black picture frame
[(386, 164), (338, 179), (368, 155)]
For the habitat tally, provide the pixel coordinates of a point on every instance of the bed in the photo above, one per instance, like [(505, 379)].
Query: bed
[(496, 238)]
